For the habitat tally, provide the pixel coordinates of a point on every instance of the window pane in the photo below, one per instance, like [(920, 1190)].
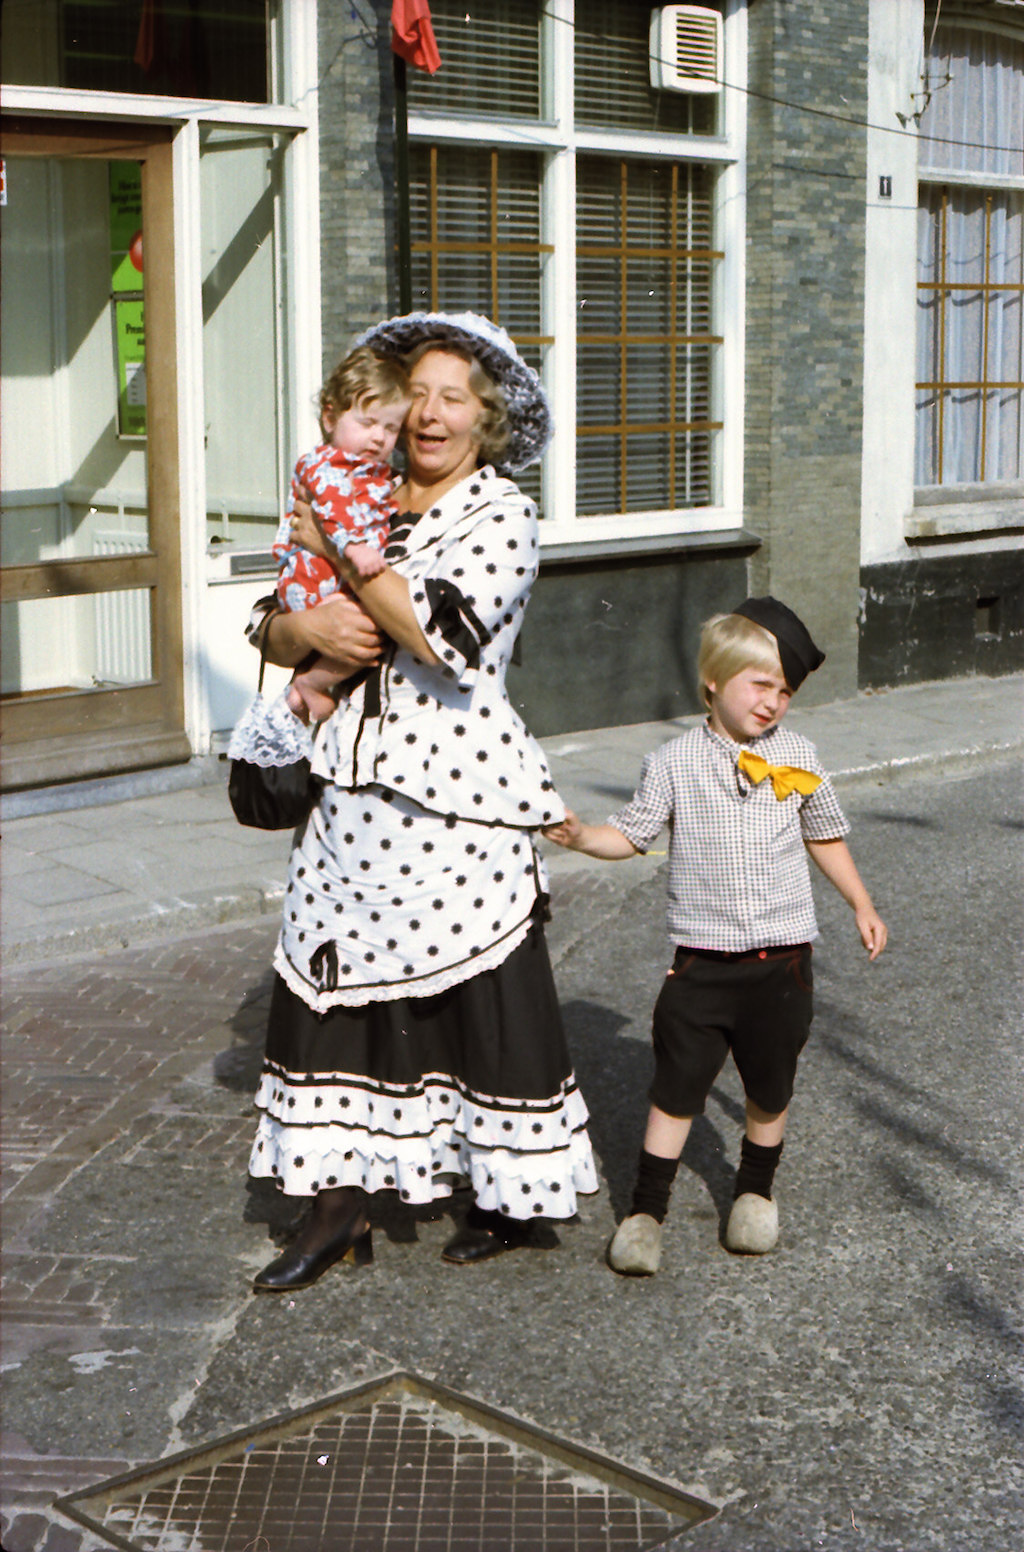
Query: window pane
[(240, 180), (490, 53), (175, 48), (645, 349), (969, 338), (976, 109), (613, 77), (93, 641), (475, 218)]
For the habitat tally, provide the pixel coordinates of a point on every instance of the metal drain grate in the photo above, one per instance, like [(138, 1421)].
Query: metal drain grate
[(397, 1465)]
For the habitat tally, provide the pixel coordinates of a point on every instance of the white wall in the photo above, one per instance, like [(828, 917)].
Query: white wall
[(895, 55)]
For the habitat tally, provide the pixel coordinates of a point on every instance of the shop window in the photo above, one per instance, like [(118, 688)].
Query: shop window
[(216, 49)]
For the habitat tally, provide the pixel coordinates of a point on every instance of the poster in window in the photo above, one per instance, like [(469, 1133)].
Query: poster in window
[(126, 286)]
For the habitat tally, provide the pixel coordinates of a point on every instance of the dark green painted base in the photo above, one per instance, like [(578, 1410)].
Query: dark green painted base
[(612, 642), (942, 617)]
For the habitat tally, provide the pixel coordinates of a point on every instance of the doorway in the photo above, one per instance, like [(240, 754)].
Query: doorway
[(90, 591)]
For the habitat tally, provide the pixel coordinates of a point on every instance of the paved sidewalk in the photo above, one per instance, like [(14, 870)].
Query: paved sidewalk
[(856, 1391), (142, 862)]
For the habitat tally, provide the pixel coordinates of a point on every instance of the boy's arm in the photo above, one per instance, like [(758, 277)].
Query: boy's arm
[(835, 861), (602, 841)]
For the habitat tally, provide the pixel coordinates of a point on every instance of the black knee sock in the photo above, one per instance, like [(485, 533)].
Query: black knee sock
[(757, 1168), (653, 1185)]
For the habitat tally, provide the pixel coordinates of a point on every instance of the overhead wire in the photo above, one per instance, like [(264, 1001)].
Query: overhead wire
[(824, 113)]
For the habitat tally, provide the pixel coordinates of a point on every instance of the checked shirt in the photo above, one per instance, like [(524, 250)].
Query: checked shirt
[(738, 869)]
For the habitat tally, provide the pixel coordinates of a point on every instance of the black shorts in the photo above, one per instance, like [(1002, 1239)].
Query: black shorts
[(758, 1006)]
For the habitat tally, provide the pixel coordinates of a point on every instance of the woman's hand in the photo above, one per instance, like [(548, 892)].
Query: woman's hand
[(338, 628), (387, 600), (306, 530)]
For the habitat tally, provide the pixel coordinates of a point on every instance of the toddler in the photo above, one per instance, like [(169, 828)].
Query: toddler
[(746, 801), (348, 483)]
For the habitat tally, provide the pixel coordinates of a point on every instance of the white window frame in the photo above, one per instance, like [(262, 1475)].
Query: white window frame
[(559, 143), (294, 61), (987, 506)]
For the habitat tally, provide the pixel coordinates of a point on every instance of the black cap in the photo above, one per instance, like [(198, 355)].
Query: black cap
[(797, 652)]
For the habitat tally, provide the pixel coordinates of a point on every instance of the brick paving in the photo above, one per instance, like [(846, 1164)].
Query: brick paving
[(91, 1051), (96, 1051)]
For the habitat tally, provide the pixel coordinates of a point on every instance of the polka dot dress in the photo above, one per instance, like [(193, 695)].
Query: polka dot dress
[(415, 1039), (386, 899)]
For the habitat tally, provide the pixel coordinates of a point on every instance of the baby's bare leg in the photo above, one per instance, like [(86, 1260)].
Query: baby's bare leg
[(309, 695)]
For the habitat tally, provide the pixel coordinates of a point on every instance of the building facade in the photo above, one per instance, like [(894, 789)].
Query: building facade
[(777, 307)]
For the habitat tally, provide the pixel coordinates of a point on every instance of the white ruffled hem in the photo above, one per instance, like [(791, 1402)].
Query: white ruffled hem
[(522, 1158), (269, 734), (416, 986)]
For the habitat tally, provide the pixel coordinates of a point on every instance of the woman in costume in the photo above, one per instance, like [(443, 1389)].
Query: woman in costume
[(414, 1039)]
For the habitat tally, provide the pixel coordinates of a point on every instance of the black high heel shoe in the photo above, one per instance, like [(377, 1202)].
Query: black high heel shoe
[(295, 1268)]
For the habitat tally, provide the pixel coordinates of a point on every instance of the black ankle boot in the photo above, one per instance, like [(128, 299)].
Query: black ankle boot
[(485, 1234)]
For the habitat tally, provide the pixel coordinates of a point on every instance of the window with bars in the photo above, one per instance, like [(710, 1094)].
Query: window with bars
[(475, 218), (645, 342), (970, 341), (641, 271)]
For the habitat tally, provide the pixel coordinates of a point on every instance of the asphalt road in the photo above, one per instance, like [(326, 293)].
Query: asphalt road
[(860, 1388)]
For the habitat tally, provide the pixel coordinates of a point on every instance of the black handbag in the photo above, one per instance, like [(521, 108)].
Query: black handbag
[(270, 784)]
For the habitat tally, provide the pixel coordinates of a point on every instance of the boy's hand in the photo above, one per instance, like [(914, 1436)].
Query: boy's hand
[(874, 934), (366, 560), (601, 841), (569, 833)]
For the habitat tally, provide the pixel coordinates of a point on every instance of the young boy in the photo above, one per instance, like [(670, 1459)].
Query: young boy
[(745, 800), (349, 482)]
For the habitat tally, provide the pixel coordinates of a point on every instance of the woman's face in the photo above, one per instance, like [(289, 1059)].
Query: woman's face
[(441, 424)]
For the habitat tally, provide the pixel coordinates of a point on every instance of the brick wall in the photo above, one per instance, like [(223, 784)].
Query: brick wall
[(357, 204), (805, 316)]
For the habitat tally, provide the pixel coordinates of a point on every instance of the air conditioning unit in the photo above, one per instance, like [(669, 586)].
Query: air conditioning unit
[(686, 49)]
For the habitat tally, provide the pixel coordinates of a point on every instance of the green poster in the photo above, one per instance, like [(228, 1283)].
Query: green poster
[(130, 335), (125, 226), (126, 296)]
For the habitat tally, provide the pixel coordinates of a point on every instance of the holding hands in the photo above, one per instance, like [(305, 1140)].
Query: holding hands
[(602, 841)]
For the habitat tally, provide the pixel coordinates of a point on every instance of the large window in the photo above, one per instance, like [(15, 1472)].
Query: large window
[(646, 348), (173, 48), (587, 212), (970, 345)]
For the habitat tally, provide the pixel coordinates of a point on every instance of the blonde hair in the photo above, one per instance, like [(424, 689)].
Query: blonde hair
[(492, 430), (729, 643), (364, 375)]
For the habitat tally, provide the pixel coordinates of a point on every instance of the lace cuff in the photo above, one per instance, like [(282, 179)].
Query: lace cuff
[(270, 734)]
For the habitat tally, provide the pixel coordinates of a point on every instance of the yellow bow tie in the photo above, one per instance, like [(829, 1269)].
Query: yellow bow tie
[(785, 778)]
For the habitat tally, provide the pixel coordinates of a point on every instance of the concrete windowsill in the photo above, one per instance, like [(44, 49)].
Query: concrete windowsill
[(965, 519), (937, 516)]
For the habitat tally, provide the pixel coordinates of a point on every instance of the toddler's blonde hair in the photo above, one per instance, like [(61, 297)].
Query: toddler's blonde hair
[(728, 644)]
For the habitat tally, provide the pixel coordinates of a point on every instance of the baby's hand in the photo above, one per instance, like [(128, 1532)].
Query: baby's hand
[(873, 932), (366, 560), (568, 833)]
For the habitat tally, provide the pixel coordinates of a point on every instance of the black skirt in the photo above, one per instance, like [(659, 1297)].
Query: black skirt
[(419, 1094)]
